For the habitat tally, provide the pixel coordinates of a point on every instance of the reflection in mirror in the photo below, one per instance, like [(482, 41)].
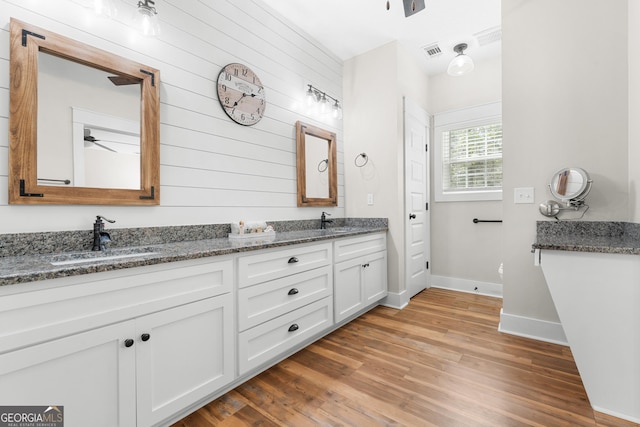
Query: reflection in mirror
[(84, 123), (106, 151), (316, 166), (317, 153), (570, 186), (65, 87)]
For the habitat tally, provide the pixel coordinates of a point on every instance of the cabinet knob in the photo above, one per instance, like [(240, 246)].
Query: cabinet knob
[(294, 327), (412, 216), (292, 260), (128, 342), (145, 337), (293, 291)]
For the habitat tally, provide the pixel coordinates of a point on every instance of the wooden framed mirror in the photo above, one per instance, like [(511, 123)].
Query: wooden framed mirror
[(316, 166), (84, 124)]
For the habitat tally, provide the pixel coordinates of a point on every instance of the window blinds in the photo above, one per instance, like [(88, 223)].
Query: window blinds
[(472, 158)]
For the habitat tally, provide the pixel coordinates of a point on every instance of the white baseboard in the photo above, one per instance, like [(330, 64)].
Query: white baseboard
[(396, 300), (536, 329), (466, 285)]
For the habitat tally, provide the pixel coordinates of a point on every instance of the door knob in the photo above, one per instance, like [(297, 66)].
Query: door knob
[(412, 216)]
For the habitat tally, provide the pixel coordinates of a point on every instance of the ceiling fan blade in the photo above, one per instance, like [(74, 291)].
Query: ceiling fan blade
[(412, 6), (124, 80)]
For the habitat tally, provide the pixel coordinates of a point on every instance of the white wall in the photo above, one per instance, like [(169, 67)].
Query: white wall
[(461, 249), (374, 85), (565, 104), (212, 170), (634, 110)]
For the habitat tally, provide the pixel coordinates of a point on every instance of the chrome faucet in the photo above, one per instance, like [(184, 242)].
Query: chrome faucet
[(100, 237), (324, 221)]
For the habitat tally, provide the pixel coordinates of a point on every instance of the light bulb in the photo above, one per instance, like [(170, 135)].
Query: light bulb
[(311, 97), (146, 18), (324, 105), (336, 111)]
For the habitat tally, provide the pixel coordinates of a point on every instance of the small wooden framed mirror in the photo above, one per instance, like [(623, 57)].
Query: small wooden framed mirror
[(316, 166), (84, 124)]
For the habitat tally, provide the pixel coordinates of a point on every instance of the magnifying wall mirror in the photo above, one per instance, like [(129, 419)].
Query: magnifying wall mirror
[(316, 166), (570, 186), (84, 123)]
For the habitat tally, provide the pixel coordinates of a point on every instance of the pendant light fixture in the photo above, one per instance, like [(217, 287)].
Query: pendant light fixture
[(461, 64), (146, 18)]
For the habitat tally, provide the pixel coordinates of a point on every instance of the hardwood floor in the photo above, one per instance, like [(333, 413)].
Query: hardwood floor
[(438, 362)]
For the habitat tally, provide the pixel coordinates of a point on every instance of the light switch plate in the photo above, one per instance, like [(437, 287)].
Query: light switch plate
[(523, 195)]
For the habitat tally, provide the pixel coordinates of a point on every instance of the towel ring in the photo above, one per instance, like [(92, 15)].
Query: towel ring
[(326, 165), (364, 156)]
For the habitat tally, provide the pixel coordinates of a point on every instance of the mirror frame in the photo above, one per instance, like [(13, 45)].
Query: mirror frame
[(302, 130), (25, 42)]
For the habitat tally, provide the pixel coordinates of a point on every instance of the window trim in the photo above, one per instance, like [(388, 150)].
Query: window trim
[(455, 119)]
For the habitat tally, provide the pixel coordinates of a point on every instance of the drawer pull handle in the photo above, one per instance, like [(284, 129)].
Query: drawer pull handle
[(128, 342), (292, 260), (145, 337), (293, 328), (293, 291)]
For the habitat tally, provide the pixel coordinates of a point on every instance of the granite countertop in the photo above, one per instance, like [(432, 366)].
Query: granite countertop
[(589, 236), (29, 268)]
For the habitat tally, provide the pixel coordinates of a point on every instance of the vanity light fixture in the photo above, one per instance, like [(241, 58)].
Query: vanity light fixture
[(461, 64), (146, 18), (323, 103)]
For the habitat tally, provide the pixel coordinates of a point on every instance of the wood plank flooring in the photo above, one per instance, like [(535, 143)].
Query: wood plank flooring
[(439, 362)]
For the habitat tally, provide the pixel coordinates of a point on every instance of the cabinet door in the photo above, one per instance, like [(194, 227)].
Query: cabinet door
[(348, 292), (91, 375), (187, 355), (374, 277)]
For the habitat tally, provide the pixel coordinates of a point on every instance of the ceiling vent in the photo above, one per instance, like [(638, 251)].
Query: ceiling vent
[(488, 36), (432, 50)]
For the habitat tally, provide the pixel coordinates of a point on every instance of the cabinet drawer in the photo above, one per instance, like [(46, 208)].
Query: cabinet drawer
[(354, 247), (108, 297), (270, 339), (253, 269), (263, 302)]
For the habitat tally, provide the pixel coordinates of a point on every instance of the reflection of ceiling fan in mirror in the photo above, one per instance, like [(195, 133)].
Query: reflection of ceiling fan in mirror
[(410, 6), (124, 80)]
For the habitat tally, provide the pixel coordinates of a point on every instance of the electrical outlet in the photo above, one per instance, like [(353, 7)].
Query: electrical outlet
[(523, 195), (370, 199)]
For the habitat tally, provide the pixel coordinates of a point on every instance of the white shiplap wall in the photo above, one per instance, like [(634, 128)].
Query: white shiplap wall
[(212, 170)]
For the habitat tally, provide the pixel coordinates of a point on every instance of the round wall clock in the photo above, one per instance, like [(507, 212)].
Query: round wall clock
[(241, 94)]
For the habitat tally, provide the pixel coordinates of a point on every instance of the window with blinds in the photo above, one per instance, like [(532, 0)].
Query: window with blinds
[(472, 158), (468, 154)]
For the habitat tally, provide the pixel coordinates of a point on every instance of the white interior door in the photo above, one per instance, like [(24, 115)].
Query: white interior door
[(416, 184)]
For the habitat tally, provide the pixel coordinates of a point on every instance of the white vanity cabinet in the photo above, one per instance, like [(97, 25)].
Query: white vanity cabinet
[(121, 348), (360, 273), (284, 300)]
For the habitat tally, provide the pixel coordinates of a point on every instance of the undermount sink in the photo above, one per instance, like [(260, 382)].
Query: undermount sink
[(84, 257), (338, 230)]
